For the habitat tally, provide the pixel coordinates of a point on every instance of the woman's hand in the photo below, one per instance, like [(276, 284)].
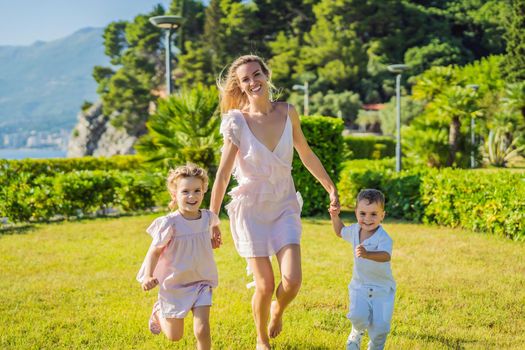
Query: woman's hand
[(334, 202)]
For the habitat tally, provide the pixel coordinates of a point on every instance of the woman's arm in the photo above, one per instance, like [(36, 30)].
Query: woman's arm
[(310, 160), (222, 178)]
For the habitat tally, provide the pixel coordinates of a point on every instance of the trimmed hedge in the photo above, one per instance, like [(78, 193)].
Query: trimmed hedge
[(324, 137), (369, 147), (40, 189), (78, 194), (39, 167), (480, 200), (403, 187), (485, 201)]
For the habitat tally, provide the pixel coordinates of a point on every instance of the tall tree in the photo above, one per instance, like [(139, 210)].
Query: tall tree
[(228, 31), (192, 12), (514, 62), (126, 91)]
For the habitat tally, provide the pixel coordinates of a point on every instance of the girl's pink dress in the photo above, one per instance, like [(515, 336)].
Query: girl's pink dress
[(265, 209), (186, 269)]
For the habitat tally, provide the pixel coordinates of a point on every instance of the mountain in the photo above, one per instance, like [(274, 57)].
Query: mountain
[(42, 86)]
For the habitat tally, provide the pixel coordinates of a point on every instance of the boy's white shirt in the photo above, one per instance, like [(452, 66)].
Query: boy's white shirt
[(368, 272)]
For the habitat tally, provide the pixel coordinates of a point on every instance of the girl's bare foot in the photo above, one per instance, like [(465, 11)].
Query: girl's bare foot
[(276, 321)]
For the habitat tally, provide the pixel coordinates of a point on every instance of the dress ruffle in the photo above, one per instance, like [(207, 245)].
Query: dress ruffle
[(231, 127)]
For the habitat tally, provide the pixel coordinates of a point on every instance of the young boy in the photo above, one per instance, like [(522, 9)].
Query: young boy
[(372, 288)]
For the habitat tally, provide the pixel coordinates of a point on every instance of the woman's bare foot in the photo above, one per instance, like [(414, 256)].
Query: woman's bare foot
[(263, 346), (276, 321)]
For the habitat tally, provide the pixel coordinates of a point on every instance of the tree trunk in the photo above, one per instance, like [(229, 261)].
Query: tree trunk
[(453, 139)]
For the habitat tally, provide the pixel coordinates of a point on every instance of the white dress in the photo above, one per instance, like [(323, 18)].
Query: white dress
[(186, 269), (265, 209)]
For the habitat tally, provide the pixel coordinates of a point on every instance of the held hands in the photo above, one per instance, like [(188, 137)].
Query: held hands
[(216, 237), (149, 283), (334, 202), (333, 211), (361, 252)]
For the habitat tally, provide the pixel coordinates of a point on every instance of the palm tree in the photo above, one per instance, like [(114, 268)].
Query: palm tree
[(499, 151), (185, 128)]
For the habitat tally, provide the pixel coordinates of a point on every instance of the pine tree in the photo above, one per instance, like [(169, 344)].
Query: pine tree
[(514, 62)]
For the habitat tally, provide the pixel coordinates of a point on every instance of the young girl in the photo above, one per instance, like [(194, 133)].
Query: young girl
[(259, 140), (180, 259)]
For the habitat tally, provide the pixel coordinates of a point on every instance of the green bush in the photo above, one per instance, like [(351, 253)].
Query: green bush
[(80, 193), (324, 137), (493, 203), (140, 192), (402, 190), (39, 167), (370, 147), (85, 192)]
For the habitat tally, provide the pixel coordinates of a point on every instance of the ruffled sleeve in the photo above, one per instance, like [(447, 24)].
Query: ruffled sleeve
[(231, 127), (161, 231)]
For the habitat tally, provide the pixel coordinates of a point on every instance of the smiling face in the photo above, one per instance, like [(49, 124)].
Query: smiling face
[(252, 80), (369, 215), (189, 195)]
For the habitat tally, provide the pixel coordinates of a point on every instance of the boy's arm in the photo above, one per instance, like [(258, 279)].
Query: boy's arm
[(337, 224), (152, 257), (378, 256)]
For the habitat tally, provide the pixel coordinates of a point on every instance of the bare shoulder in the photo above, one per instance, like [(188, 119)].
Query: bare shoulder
[(284, 107)]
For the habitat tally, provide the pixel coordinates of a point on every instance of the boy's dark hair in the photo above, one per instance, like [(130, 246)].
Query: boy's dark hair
[(371, 196)]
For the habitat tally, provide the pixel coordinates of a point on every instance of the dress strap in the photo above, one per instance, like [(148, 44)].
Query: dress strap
[(288, 109)]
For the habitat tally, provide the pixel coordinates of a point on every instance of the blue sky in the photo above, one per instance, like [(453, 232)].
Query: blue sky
[(22, 22)]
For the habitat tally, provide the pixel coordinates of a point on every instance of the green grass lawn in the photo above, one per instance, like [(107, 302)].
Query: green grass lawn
[(72, 286)]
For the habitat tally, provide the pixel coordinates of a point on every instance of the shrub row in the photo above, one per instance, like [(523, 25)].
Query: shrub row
[(324, 137), (480, 200), (78, 193), (369, 147), (39, 167)]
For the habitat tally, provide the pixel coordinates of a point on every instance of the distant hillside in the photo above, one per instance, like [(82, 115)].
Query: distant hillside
[(42, 86)]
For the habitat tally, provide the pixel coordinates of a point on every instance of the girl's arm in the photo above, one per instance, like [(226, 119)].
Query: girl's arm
[(310, 160), (152, 257), (222, 178)]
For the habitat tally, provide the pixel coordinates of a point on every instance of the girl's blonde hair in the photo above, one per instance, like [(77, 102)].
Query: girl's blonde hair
[(231, 96), (183, 171)]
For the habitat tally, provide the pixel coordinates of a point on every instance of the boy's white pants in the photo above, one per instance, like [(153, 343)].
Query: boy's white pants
[(371, 309)]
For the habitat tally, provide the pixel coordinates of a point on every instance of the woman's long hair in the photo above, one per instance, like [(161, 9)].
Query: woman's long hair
[(231, 96)]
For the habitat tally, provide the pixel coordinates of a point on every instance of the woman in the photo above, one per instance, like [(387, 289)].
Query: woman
[(259, 137)]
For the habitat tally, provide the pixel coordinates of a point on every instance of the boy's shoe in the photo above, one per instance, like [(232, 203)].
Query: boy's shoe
[(354, 340), (154, 325)]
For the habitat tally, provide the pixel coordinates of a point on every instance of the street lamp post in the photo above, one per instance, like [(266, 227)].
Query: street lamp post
[(306, 101), (398, 69), (169, 23), (474, 87)]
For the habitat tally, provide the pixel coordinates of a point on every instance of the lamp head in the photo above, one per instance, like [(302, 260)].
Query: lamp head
[(397, 68), (166, 22)]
